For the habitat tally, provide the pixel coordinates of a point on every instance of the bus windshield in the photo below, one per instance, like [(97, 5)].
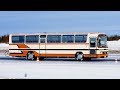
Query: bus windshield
[(102, 41)]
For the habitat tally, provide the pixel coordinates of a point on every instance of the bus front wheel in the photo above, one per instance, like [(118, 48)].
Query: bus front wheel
[(79, 56)]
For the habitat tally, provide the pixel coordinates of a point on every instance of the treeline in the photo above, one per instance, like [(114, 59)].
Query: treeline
[(113, 37), (5, 38)]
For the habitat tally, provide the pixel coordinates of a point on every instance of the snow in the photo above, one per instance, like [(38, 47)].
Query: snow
[(22, 69), (114, 56), (19, 68), (108, 68), (4, 46), (114, 45)]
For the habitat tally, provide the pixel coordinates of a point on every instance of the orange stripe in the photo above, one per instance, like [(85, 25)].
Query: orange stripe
[(95, 55), (24, 51), (22, 46), (57, 55)]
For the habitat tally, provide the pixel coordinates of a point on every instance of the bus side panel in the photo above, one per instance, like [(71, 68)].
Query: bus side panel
[(66, 50)]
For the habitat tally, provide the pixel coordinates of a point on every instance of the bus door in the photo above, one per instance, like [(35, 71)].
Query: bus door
[(42, 45), (93, 45)]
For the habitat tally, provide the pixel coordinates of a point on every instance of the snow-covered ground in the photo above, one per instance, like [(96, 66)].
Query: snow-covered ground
[(108, 68), (61, 69), (19, 68)]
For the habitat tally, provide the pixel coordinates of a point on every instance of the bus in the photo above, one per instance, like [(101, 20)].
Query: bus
[(80, 46)]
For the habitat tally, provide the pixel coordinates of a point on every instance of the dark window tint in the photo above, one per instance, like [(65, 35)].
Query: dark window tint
[(80, 38), (42, 40), (92, 42), (42, 36), (54, 38), (85, 38), (18, 39), (68, 38), (32, 39)]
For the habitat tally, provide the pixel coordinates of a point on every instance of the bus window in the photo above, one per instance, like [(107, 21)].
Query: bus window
[(68, 39), (102, 41), (18, 39), (42, 40), (42, 36), (92, 42), (85, 38), (32, 39), (54, 39), (80, 38)]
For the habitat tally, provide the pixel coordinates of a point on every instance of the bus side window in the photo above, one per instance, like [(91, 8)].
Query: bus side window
[(18, 39), (92, 42), (68, 38), (54, 39), (85, 38), (42, 36), (80, 38), (32, 38), (42, 40)]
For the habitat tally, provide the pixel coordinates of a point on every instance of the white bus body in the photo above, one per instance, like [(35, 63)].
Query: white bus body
[(82, 46)]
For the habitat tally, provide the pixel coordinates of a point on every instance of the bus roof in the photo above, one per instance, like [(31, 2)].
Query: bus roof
[(58, 33)]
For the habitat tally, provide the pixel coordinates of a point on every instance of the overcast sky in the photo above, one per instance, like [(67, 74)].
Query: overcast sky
[(59, 21)]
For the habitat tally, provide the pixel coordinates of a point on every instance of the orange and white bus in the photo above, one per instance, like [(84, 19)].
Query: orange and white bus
[(81, 46)]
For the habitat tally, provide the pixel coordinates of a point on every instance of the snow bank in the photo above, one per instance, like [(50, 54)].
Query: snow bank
[(114, 45), (4, 46)]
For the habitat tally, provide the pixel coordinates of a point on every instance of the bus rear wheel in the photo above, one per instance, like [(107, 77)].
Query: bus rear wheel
[(31, 56)]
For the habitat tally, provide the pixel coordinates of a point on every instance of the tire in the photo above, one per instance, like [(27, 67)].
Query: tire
[(35, 58), (41, 58), (87, 59), (79, 56), (30, 56)]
